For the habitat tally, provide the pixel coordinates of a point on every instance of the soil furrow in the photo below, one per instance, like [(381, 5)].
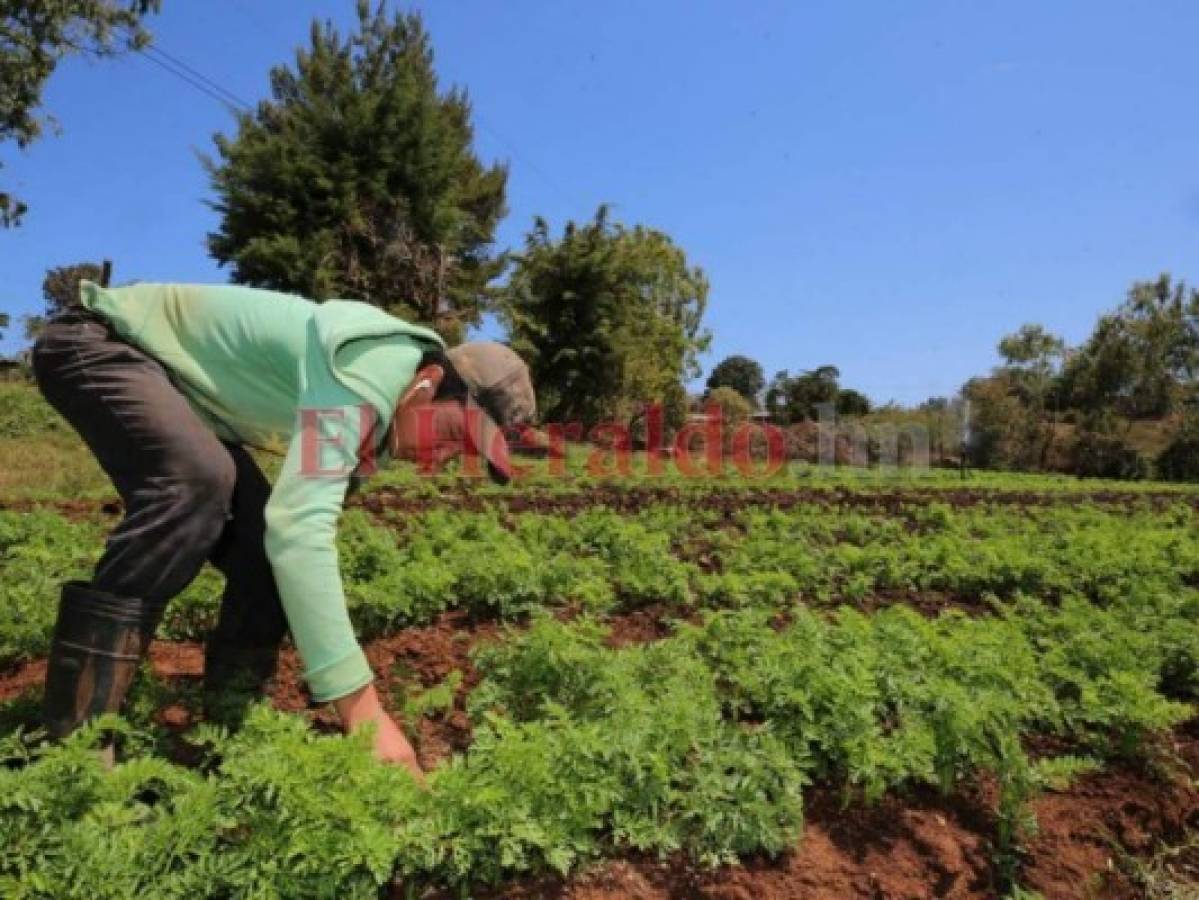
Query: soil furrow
[(632, 500)]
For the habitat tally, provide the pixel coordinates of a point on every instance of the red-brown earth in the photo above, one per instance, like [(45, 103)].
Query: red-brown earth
[(912, 845), (631, 499)]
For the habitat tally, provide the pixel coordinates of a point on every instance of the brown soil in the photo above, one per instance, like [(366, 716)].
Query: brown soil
[(912, 846), (420, 658), (920, 846), (925, 846), (1084, 832), (639, 626), (71, 510), (632, 499), (19, 679), (650, 623)]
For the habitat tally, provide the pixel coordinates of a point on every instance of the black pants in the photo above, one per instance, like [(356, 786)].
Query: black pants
[(188, 496)]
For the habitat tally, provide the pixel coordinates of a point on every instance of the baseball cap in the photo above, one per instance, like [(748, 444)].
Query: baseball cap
[(499, 395)]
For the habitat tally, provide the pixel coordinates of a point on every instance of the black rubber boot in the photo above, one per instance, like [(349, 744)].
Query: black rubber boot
[(99, 641)]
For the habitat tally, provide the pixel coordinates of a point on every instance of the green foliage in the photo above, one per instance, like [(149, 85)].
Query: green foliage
[(1033, 358), (1143, 359), (802, 397), (1082, 626), (840, 699), (25, 414), (852, 403), (851, 556), (734, 408), (608, 317), (1179, 461), (287, 813), (742, 374), (37, 35), (60, 287), (38, 551), (1059, 773), (812, 396), (1100, 450), (1141, 362), (602, 560), (689, 777), (358, 179), (1006, 430), (472, 561), (437, 700)]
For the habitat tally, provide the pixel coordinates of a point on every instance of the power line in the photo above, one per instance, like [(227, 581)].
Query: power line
[(214, 90), (160, 54), (482, 124), (192, 76), (198, 85)]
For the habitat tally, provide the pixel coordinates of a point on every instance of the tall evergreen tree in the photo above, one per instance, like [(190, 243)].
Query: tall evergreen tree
[(609, 319), (358, 179), (35, 35)]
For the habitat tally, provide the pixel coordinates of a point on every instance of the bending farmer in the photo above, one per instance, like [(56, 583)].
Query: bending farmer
[(168, 385)]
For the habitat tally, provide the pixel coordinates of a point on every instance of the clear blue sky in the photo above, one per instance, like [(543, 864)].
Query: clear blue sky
[(887, 187)]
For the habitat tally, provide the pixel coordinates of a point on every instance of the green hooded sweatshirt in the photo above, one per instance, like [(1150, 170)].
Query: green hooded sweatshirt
[(316, 382)]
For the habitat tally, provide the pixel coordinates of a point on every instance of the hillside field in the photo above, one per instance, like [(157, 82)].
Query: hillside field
[(822, 684)]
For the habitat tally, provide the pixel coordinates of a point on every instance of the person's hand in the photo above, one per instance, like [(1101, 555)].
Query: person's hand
[(391, 746)]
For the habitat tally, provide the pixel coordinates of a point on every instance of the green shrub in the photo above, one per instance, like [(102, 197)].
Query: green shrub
[(38, 551), (1103, 454), (1179, 461)]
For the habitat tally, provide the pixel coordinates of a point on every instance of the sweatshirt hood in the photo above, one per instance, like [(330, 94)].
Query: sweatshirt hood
[(339, 322)]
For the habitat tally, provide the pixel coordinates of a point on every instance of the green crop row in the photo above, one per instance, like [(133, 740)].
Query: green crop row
[(1052, 551), (700, 743), (39, 550), (277, 811), (601, 560), (406, 571), (583, 468)]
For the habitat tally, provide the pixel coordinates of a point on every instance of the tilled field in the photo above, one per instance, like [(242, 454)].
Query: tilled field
[(891, 693), (917, 843), (727, 500)]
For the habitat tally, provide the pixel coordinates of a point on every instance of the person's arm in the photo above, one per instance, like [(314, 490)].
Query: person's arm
[(301, 532), (301, 518)]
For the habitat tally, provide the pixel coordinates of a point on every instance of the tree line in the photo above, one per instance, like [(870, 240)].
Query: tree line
[(1123, 404), (357, 177)]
